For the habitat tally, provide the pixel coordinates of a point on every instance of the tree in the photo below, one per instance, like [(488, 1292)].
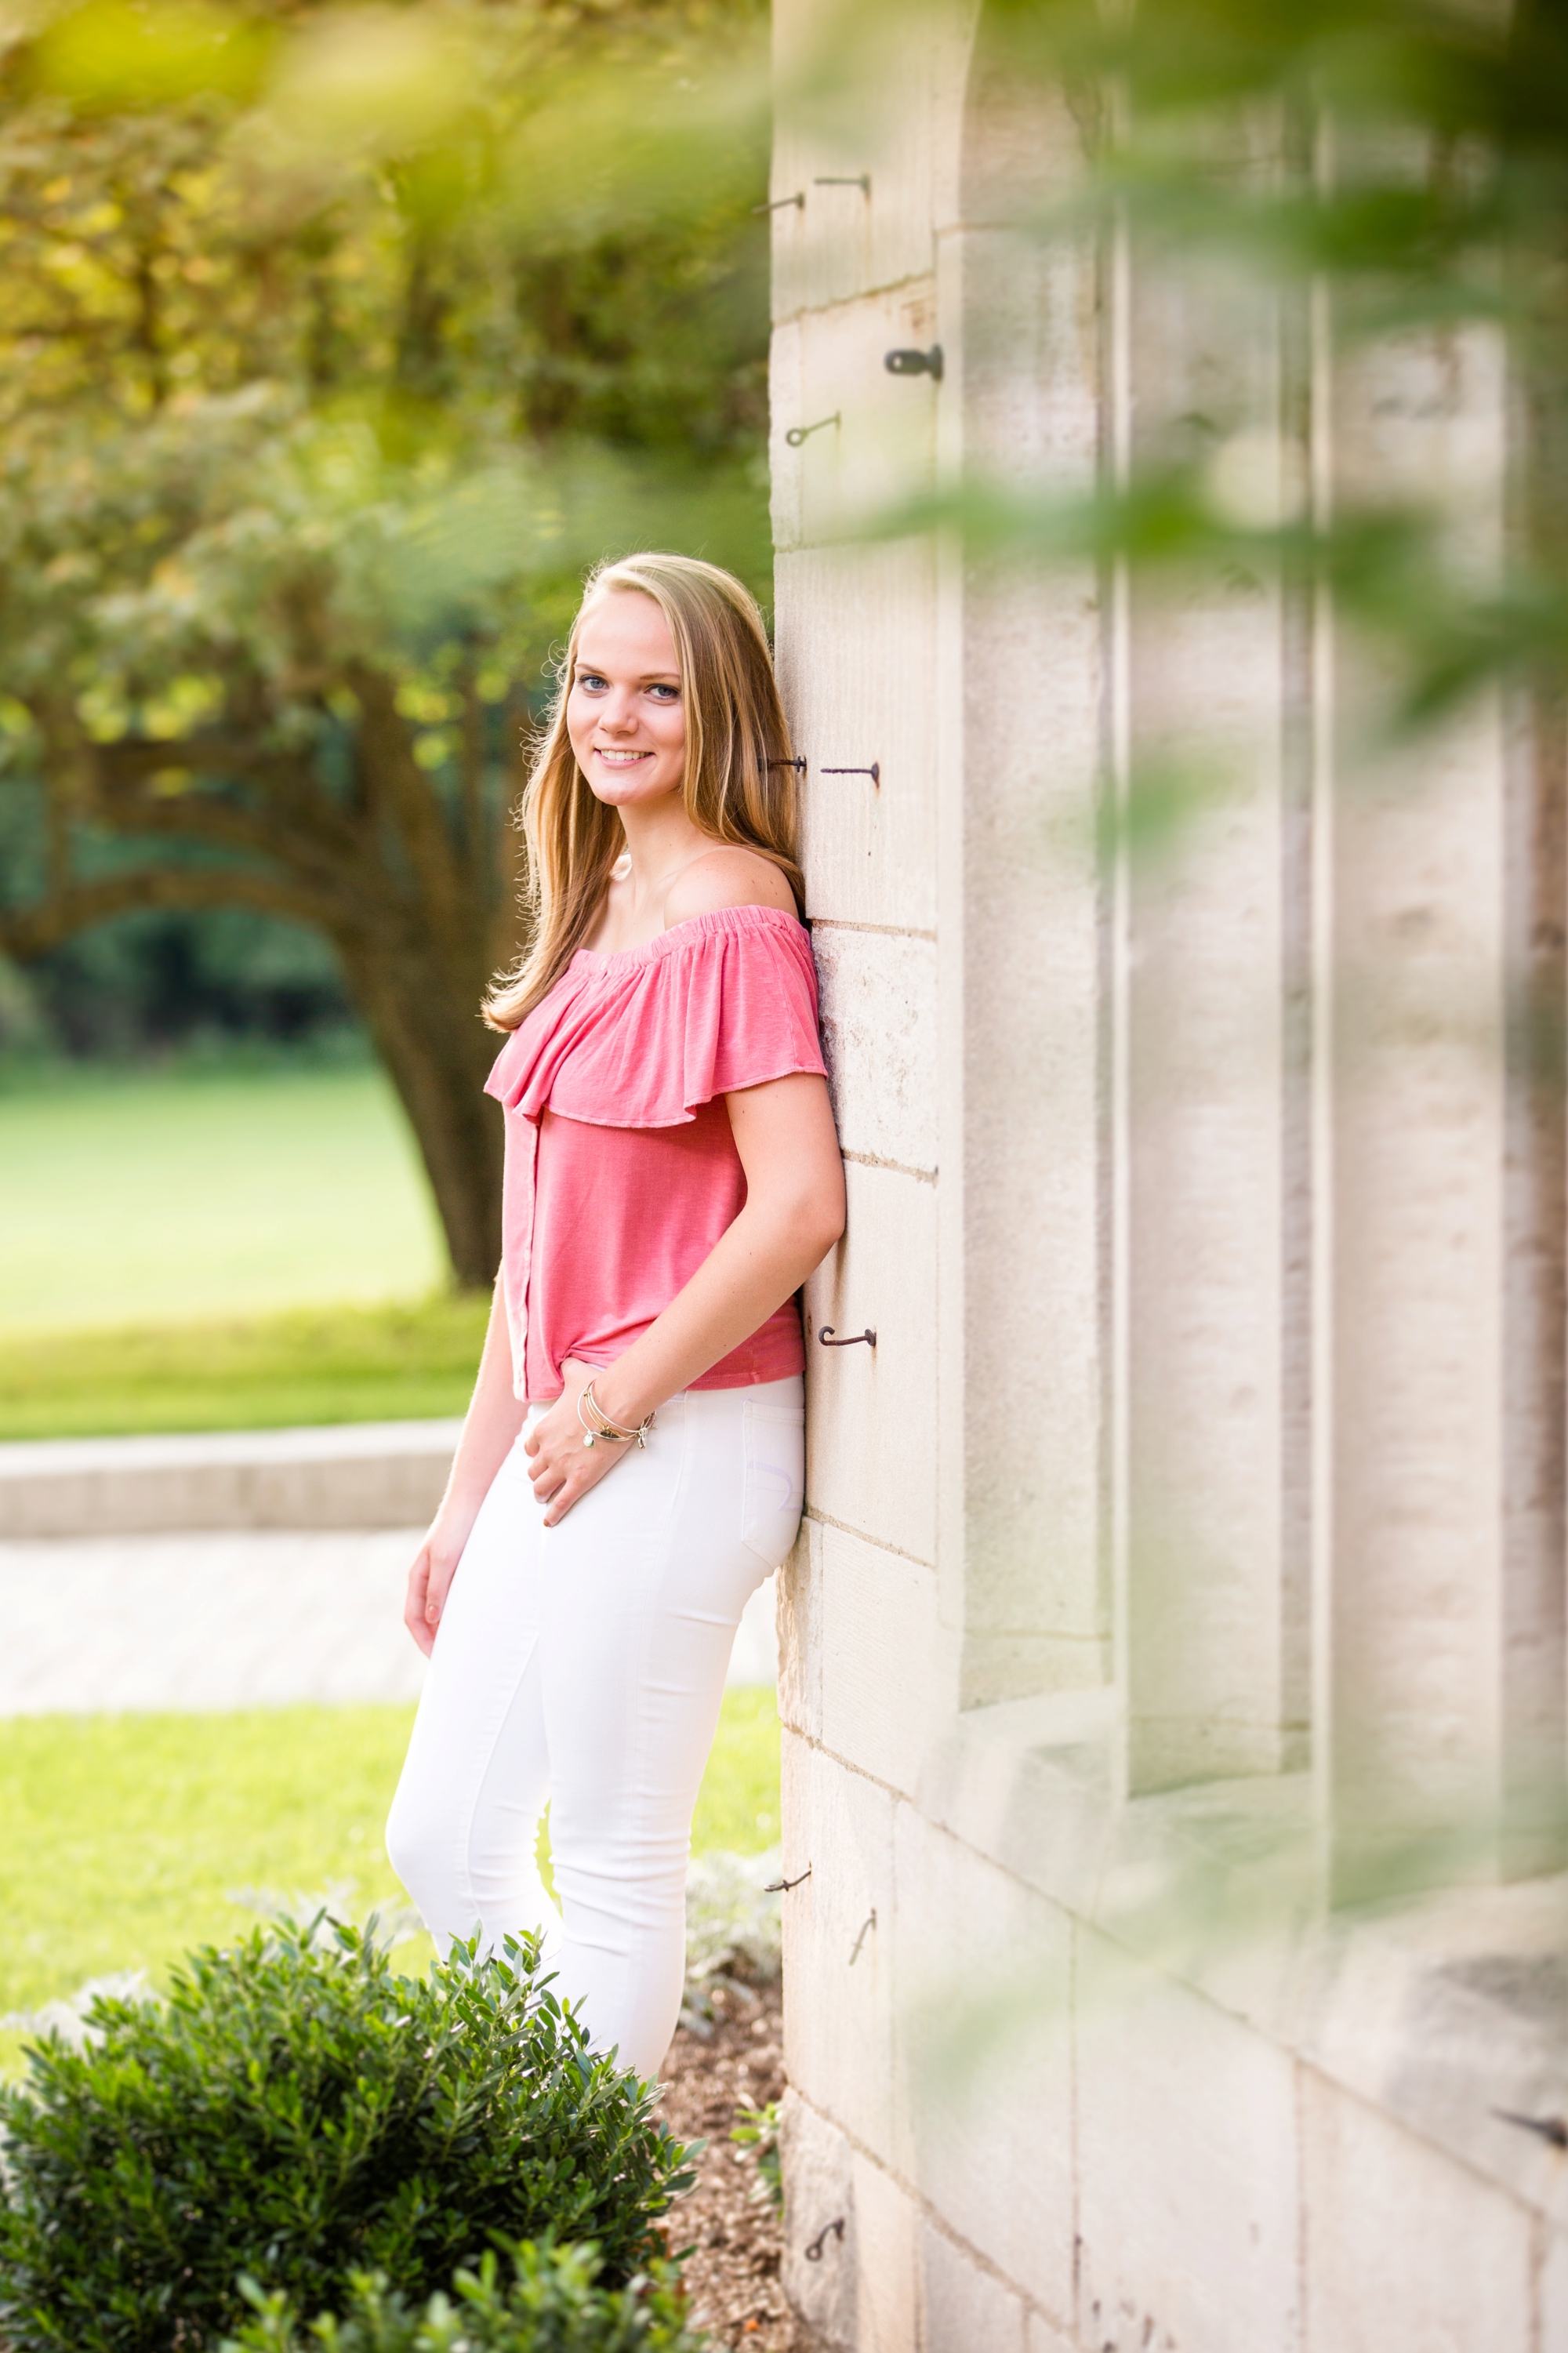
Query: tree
[(329, 351)]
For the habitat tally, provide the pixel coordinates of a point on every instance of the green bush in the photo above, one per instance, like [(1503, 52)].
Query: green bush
[(558, 2303), (299, 2113)]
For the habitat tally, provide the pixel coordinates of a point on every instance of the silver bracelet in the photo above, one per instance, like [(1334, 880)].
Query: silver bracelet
[(602, 1427)]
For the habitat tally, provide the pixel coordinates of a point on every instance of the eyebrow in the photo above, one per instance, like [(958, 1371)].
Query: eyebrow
[(648, 677)]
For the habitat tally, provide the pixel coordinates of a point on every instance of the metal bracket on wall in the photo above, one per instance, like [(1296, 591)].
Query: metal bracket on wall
[(828, 1340), (874, 772), (908, 363), (1551, 2129), (799, 433)]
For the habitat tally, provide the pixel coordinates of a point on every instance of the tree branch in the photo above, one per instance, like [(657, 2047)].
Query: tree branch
[(27, 932), (323, 838)]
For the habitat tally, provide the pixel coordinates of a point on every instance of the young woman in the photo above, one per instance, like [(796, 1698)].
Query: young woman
[(631, 1466)]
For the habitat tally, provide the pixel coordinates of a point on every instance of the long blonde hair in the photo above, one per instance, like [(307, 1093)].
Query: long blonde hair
[(738, 785)]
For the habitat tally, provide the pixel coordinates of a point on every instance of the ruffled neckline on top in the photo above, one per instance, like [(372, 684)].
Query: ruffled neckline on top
[(642, 1037), (675, 936)]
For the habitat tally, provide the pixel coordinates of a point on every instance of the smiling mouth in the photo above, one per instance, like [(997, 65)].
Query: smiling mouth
[(615, 759)]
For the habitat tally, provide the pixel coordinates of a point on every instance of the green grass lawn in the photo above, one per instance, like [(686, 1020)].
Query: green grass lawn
[(124, 1839), (395, 1361), (145, 1199)]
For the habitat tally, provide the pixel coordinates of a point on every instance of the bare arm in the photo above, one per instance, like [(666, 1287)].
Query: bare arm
[(489, 1432), (793, 1214)]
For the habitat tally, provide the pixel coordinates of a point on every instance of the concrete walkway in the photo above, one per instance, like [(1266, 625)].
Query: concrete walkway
[(214, 1619), (248, 1571), (228, 1619)]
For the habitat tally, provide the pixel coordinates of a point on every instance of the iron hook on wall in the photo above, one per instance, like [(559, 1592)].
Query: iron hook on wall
[(799, 433), (779, 203), (783, 1886), (874, 772), (866, 1926), (799, 766), (828, 1340), (861, 180), (908, 363), (1551, 2129), (834, 2230)]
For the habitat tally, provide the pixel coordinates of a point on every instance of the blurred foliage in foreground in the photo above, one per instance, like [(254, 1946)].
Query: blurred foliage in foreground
[(332, 345), (1380, 174)]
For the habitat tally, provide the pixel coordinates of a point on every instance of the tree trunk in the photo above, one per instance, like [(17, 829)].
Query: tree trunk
[(419, 906), (425, 1023)]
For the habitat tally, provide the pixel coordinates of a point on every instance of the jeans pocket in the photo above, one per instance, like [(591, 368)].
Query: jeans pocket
[(776, 1480)]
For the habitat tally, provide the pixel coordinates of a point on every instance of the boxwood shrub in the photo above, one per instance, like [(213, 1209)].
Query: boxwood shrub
[(298, 2112), (558, 2302)]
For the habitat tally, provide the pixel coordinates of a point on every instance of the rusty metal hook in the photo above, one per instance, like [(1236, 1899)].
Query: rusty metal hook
[(1551, 2129), (874, 772), (861, 180), (828, 1340), (908, 363), (834, 2230), (783, 1886), (779, 203), (867, 1925), (799, 433)]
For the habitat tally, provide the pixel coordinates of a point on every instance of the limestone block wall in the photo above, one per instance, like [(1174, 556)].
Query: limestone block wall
[(1183, 1565)]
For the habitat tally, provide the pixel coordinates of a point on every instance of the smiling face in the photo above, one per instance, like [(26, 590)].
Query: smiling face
[(625, 712)]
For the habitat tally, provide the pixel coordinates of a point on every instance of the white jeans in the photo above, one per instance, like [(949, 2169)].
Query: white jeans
[(584, 1665)]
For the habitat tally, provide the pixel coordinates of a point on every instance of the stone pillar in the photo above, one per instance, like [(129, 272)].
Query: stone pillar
[(1210, 1652), (1020, 926), (1440, 1482)]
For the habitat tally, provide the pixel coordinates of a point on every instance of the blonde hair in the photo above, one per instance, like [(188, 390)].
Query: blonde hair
[(738, 785)]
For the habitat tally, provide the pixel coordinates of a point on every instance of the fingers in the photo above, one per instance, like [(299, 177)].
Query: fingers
[(440, 1585), (415, 1598), (429, 1582), (582, 1473)]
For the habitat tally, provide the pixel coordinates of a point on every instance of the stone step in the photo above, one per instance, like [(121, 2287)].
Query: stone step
[(373, 1474)]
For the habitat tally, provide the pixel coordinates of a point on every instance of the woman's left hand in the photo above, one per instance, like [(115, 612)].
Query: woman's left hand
[(561, 1467)]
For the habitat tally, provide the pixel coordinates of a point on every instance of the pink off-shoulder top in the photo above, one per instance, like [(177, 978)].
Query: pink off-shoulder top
[(621, 1170)]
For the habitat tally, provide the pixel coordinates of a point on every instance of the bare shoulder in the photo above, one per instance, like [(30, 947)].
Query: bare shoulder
[(727, 876)]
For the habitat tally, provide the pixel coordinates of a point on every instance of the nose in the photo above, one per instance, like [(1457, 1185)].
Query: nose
[(617, 716)]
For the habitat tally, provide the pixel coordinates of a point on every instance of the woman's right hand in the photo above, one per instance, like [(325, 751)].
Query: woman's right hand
[(430, 1579)]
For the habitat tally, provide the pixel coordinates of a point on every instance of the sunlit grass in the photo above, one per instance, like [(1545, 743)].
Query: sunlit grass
[(124, 1839), (394, 1362), (157, 1199)]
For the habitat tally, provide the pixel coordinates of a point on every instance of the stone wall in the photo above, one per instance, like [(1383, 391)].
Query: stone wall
[(1183, 1565)]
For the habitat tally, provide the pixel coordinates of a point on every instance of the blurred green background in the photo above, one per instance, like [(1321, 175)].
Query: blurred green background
[(334, 348)]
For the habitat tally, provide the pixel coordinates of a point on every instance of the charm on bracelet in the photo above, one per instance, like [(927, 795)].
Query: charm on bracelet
[(602, 1427)]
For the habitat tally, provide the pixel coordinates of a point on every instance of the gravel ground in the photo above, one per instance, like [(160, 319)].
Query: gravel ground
[(730, 2221)]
